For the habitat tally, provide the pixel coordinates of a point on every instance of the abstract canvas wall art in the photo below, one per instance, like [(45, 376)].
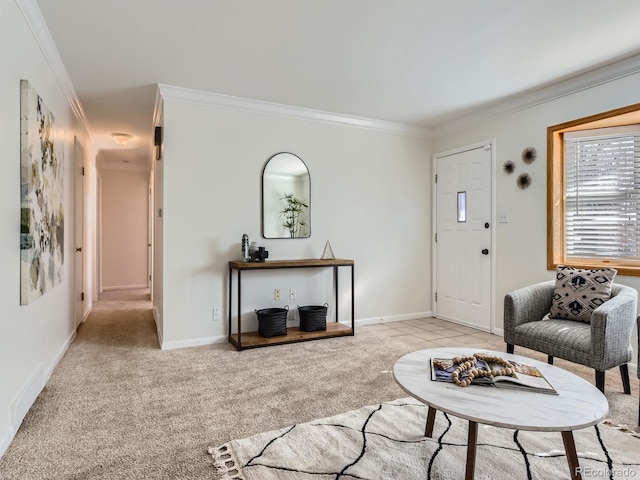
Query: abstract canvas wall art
[(41, 197)]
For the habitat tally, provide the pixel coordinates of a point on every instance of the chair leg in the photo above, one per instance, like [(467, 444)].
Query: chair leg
[(549, 359), (509, 347), (600, 380), (624, 373)]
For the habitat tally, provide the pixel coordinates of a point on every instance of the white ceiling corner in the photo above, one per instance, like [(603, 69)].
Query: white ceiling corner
[(33, 16), (589, 79)]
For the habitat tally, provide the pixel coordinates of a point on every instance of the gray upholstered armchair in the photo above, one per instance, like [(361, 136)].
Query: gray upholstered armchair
[(602, 344)]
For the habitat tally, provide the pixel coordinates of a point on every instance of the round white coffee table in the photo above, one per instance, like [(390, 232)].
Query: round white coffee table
[(579, 404)]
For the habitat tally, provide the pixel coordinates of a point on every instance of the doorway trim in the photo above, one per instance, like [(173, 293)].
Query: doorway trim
[(434, 219), (80, 251)]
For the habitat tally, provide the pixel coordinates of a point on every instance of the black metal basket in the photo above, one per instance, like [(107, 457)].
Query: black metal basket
[(313, 317), (272, 322)]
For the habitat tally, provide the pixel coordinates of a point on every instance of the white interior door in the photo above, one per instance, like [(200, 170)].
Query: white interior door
[(464, 239), (78, 156), (150, 234)]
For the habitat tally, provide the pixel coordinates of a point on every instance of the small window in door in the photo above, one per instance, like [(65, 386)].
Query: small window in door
[(462, 207)]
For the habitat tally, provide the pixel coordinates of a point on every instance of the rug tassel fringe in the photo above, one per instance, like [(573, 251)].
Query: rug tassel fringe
[(634, 431), (225, 464)]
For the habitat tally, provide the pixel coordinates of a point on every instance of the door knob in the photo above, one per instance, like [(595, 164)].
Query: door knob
[(485, 251), (78, 249)]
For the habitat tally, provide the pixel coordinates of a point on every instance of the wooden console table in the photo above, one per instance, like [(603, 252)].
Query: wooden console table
[(243, 340)]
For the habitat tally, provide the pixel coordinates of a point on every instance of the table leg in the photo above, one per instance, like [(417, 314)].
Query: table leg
[(239, 311), (471, 450), (572, 456), (431, 417), (335, 289)]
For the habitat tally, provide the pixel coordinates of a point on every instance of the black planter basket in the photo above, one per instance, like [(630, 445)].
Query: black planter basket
[(313, 317), (272, 322)]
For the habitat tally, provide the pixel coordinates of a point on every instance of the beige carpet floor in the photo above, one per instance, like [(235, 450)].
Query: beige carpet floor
[(117, 407)]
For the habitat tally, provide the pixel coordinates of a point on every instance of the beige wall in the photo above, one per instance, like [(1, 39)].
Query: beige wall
[(370, 196), (124, 228)]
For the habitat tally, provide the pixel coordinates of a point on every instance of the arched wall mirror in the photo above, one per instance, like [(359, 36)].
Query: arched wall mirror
[(286, 197)]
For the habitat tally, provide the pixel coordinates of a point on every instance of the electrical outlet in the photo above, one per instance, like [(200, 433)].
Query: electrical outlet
[(292, 294), (216, 315), (276, 294)]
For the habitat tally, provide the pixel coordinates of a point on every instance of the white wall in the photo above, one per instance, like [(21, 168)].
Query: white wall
[(124, 228), (32, 337), (521, 244), (370, 196)]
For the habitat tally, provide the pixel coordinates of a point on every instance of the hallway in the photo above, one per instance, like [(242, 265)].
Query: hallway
[(120, 318)]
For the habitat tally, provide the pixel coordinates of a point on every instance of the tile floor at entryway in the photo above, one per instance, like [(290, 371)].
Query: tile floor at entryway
[(434, 333)]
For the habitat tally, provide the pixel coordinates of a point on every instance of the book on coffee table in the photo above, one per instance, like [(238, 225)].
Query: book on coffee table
[(524, 377)]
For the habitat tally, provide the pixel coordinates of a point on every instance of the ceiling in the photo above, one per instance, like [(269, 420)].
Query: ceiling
[(417, 62)]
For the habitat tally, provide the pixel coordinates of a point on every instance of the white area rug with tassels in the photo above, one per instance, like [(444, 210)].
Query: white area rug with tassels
[(387, 441)]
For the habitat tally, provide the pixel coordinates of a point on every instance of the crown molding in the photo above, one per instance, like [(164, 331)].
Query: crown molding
[(199, 97), (576, 83), (33, 16)]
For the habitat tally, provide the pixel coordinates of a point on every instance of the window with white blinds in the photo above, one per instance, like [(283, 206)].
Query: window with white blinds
[(602, 194)]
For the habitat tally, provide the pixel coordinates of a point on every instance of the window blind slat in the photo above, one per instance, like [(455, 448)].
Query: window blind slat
[(602, 196)]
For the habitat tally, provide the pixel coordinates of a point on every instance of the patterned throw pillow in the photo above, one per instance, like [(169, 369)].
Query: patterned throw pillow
[(579, 292)]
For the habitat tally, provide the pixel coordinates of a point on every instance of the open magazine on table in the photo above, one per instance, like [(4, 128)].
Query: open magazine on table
[(525, 377)]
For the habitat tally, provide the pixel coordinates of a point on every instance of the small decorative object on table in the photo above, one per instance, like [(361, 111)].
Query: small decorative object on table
[(272, 322), (313, 317), (463, 364), (327, 253), (245, 248), (261, 254), (484, 369)]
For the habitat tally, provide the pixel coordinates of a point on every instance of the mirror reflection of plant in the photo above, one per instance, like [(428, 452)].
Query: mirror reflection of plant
[(291, 213)]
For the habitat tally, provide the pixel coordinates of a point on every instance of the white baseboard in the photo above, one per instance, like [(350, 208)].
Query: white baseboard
[(65, 346), (36, 381), (193, 342), (26, 396), (158, 329), (124, 287), (392, 318), (29, 392), (5, 441)]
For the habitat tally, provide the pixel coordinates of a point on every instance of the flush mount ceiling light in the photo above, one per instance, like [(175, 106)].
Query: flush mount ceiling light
[(121, 138)]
